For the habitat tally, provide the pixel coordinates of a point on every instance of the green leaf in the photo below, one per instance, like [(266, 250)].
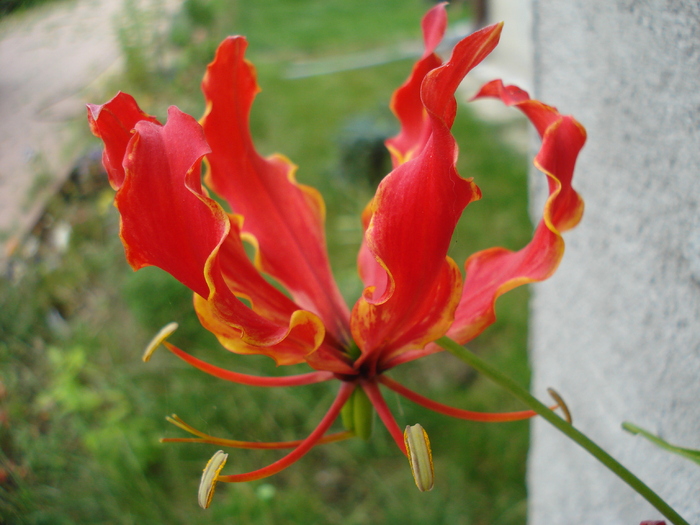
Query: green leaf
[(693, 455)]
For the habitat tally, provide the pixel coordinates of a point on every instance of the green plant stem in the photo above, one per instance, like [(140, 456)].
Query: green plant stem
[(580, 438)]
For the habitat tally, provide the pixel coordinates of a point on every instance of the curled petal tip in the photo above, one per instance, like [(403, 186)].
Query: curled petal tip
[(161, 336), (562, 405), (209, 478), (420, 457)]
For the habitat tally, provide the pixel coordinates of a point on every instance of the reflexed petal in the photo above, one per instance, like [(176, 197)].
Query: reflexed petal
[(243, 279), (285, 218), (413, 217), (370, 271), (406, 102), (493, 272), (168, 221), (411, 240), (241, 330), (440, 84), (238, 329), (113, 122)]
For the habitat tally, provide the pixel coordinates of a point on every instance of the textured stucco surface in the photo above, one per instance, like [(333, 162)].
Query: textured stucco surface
[(617, 329)]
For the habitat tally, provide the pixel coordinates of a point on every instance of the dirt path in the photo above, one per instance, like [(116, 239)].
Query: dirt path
[(49, 58)]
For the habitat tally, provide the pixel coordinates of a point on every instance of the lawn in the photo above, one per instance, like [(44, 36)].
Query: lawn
[(81, 415)]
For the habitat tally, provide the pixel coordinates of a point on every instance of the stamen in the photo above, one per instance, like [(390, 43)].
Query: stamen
[(260, 445), (247, 379), (375, 396), (212, 440), (159, 338), (210, 477), (307, 444), (420, 457), (178, 422), (469, 415), (565, 409)]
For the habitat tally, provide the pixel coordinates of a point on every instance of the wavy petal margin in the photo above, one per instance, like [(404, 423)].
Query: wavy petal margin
[(168, 221), (112, 122), (415, 130), (491, 273), (286, 219), (414, 214), (406, 102), (165, 219)]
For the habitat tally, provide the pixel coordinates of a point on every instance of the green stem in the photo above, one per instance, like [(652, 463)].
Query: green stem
[(593, 449)]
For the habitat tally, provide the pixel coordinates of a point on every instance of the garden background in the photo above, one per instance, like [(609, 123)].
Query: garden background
[(81, 415)]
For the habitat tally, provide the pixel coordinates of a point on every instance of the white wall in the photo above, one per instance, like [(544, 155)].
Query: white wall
[(617, 329)]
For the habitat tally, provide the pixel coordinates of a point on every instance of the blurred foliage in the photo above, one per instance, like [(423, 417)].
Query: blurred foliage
[(80, 414), (8, 6)]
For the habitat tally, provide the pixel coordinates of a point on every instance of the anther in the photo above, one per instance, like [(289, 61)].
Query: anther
[(161, 336), (209, 478), (420, 457), (565, 409)]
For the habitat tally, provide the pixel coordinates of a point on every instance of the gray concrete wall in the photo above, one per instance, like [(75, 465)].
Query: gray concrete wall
[(617, 329)]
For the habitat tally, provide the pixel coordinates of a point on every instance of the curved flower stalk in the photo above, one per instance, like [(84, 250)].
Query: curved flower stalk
[(414, 293)]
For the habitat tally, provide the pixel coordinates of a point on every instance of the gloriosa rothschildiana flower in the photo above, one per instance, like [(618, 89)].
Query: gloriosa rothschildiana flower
[(414, 293)]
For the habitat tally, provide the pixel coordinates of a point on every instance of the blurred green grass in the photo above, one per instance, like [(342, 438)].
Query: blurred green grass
[(81, 414)]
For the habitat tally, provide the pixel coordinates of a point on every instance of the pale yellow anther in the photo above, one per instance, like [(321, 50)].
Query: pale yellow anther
[(209, 478), (161, 336), (420, 457)]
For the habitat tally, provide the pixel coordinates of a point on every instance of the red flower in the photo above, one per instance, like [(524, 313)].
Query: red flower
[(414, 293)]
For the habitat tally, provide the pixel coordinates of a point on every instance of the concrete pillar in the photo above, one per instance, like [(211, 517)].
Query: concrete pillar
[(617, 329)]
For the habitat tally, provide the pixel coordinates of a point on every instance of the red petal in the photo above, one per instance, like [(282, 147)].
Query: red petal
[(408, 106), (328, 357), (406, 102), (493, 272), (168, 221), (414, 215), (243, 279), (410, 238), (371, 273), (285, 218), (113, 122), (440, 85), (288, 335)]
